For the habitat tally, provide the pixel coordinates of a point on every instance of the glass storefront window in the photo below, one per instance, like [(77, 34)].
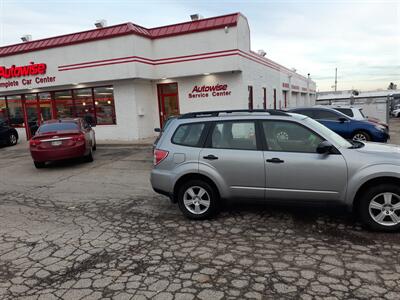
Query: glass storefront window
[(15, 112), (95, 105), (168, 88), (45, 106), (64, 104), (104, 103), (3, 110), (84, 105)]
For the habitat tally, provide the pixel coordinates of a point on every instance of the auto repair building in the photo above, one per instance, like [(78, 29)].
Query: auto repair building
[(129, 79)]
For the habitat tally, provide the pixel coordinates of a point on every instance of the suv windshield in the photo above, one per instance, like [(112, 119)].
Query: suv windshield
[(329, 133)]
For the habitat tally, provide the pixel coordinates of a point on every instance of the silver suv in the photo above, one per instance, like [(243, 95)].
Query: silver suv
[(271, 155)]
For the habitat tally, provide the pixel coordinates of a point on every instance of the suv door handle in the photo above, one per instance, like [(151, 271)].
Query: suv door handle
[(210, 157), (275, 160)]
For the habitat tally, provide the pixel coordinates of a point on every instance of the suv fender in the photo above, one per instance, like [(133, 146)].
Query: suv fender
[(218, 180), (369, 173)]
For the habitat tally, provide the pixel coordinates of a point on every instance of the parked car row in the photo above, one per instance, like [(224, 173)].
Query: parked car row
[(202, 158)]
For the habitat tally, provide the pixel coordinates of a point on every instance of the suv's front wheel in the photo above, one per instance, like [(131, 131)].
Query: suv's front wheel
[(380, 207), (197, 200)]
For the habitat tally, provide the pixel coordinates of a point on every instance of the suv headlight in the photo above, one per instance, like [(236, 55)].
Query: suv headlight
[(380, 127)]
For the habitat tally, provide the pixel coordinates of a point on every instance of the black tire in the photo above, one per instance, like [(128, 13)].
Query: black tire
[(212, 194), (89, 157), (12, 139), (374, 193), (39, 164), (362, 133)]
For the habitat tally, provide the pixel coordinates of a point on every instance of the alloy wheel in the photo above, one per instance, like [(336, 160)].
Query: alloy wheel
[(13, 139), (384, 209), (360, 137), (196, 200)]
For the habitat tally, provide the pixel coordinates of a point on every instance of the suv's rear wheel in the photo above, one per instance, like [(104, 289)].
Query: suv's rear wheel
[(197, 199), (361, 136), (380, 207)]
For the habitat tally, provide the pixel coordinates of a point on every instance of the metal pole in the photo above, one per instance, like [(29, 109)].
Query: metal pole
[(335, 79)]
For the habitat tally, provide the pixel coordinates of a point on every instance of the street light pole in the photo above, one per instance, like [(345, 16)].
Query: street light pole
[(335, 79)]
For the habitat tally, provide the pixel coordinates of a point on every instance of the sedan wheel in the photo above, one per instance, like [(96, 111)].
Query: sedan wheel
[(380, 207), (197, 199), (12, 139)]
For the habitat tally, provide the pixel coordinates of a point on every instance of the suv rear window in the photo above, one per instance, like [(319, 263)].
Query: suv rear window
[(58, 127), (188, 134)]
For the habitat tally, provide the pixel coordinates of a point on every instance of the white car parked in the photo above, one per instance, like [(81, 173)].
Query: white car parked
[(396, 113)]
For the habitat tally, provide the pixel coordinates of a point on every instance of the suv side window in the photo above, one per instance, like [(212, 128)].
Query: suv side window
[(290, 137), (234, 135), (321, 114), (346, 111), (188, 134)]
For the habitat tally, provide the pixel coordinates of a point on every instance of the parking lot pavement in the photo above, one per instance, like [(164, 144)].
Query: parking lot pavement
[(96, 230), (394, 127)]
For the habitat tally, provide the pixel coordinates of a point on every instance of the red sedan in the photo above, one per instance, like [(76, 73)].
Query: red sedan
[(62, 139)]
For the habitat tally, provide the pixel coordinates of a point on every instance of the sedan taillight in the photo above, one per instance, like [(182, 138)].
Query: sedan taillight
[(34, 143), (159, 156), (78, 138)]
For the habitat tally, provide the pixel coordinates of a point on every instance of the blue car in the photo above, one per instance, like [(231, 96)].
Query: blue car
[(345, 126)]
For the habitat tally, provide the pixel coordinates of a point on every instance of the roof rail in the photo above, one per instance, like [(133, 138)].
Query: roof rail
[(216, 113)]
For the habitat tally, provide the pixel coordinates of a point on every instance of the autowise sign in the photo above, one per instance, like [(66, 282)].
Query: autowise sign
[(14, 76), (205, 91)]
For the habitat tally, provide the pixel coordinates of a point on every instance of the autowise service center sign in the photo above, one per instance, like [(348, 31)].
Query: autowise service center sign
[(206, 91), (16, 76)]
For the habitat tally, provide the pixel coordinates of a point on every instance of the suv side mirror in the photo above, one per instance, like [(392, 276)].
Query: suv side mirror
[(342, 119), (324, 147), (157, 129)]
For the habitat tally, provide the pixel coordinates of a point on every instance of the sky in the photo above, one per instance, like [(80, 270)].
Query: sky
[(361, 38)]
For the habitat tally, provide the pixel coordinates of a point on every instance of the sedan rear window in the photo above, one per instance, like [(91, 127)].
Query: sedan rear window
[(58, 127), (188, 134)]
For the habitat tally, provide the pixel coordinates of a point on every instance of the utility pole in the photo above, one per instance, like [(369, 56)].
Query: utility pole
[(335, 79)]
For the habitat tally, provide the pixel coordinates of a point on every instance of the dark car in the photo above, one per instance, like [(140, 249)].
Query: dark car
[(8, 135), (345, 126), (62, 139)]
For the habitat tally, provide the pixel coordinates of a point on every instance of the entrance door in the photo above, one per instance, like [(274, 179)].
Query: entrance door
[(168, 101), (38, 108), (32, 114)]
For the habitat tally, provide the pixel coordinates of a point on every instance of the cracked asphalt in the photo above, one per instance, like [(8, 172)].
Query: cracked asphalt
[(97, 231)]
